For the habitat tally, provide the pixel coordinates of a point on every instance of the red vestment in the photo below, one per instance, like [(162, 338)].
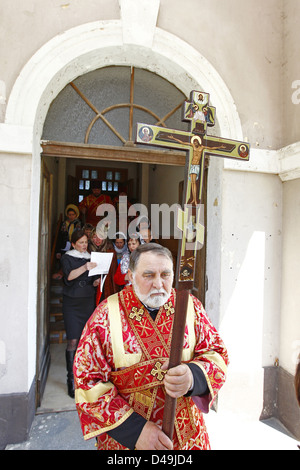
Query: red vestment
[(91, 203), (117, 368)]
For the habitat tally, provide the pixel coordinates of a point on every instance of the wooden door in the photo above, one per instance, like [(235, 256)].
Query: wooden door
[(43, 327)]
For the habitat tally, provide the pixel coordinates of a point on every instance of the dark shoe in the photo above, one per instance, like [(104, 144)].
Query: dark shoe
[(70, 377)]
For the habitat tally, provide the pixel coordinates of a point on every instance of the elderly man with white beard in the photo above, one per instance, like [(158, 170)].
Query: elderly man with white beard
[(121, 366)]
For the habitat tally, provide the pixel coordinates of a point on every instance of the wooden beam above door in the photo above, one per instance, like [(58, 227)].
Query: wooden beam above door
[(121, 154)]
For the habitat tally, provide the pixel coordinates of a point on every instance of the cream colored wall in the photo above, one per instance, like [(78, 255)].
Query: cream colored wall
[(164, 183), (27, 25), (15, 191), (243, 297), (164, 189), (291, 72), (241, 39), (290, 318)]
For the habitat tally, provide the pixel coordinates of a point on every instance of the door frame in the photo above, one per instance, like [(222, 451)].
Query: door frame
[(137, 155), (117, 154), (43, 285)]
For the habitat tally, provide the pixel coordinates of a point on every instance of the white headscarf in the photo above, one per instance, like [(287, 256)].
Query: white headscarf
[(124, 249)]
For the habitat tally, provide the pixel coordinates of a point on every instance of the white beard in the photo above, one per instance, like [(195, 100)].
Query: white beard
[(152, 302)]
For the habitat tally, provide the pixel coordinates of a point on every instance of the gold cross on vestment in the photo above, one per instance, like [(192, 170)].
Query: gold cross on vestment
[(169, 309), (157, 371), (136, 313)]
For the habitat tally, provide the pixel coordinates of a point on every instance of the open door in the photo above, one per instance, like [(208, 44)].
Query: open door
[(43, 333)]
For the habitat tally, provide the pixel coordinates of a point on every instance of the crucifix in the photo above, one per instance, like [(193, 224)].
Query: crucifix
[(198, 145)]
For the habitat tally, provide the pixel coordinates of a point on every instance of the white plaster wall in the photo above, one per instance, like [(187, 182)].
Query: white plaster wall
[(291, 72), (70, 54), (251, 265), (250, 294), (244, 207), (241, 39), (164, 183), (290, 318), (15, 189), (44, 20)]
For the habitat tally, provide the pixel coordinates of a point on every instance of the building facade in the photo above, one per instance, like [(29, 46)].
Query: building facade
[(244, 54)]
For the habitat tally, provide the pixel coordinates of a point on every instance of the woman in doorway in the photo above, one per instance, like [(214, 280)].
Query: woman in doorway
[(67, 227), (100, 243), (121, 278), (78, 296)]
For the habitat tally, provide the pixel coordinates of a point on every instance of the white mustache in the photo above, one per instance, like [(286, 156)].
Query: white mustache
[(158, 291)]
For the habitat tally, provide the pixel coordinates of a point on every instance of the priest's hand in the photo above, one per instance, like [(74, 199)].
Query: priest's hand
[(178, 380), (153, 438)]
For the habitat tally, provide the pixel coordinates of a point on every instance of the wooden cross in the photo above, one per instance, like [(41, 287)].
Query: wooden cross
[(199, 145)]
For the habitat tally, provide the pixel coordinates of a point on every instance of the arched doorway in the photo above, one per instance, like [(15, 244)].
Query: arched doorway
[(87, 48), (90, 127)]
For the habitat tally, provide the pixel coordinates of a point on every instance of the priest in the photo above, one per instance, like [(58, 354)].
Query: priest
[(89, 205), (121, 365)]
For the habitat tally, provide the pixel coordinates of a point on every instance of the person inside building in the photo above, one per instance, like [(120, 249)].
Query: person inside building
[(63, 242), (89, 205), (71, 223), (79, 294), (122, 196), (144, 230), (120, 245), (88, 230), (100, 243), (121, 366), (146, 236), (143, 223), (121, 276)]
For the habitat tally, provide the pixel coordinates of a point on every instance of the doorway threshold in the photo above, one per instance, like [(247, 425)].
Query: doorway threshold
[(56, 398)]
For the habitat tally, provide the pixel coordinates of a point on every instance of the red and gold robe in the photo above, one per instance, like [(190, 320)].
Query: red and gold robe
[(91, 203), (117, 368)]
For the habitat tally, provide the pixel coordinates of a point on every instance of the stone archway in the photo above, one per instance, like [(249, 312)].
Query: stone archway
[(95, 45)]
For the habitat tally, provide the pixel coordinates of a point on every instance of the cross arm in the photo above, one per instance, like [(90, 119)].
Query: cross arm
[(164, 137), (226, 148)]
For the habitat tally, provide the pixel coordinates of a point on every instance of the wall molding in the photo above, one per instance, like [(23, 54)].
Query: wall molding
[(16, 139), (116, 42), (284, 162)]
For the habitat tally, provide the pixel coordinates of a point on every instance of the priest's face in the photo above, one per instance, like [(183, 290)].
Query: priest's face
[(152, 279)]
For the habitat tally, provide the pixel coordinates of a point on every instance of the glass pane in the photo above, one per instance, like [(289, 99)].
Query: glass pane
[(94, 174), (109, 175), (87, 184), (116, 186), (109, 186), (81, 185), (103, 185), (85, 174), (80, 197), (117, 176)]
